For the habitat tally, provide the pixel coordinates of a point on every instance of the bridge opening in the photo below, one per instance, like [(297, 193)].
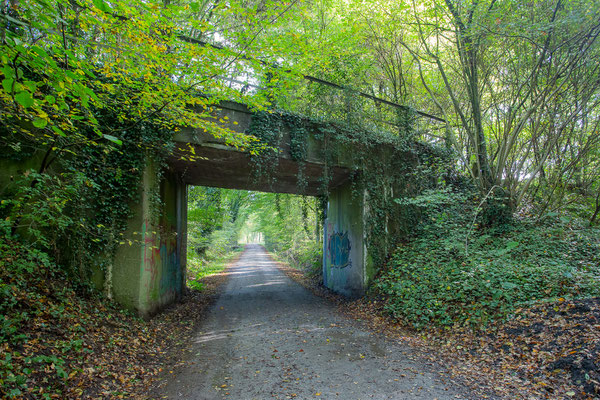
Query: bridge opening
[(305, 161), (220, 222)]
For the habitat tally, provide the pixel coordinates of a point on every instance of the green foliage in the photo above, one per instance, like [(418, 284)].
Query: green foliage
[(39, 205), (225, 239), (455, 270), (496, 210), (78, 209), (222, 246), (531, 130), (93, 92), (61, 63), (27, 276), (214, 224), (196, 285), (266, 127), (306, 256), (56, 343), (205, 215), (290, 226)]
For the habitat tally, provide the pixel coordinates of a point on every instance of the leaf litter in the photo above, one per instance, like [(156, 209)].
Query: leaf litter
[(78, 347)]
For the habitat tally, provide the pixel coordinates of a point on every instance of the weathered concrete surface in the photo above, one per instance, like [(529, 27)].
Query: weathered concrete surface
[(268, 338), (220, 165), (149, 269), (344, 252)]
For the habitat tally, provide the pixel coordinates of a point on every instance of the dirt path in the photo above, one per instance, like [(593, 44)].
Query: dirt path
[(267, 337)]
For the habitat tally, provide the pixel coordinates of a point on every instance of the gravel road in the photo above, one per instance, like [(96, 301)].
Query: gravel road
[(266, 337)]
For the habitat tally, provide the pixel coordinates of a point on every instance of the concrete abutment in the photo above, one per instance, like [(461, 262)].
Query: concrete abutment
[(344, 245), (149, 268)]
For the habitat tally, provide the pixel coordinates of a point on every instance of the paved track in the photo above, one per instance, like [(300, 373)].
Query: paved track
[(269, 338)]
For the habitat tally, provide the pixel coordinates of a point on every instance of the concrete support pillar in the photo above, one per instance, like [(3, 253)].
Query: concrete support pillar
[(149, 269), (344, 246)]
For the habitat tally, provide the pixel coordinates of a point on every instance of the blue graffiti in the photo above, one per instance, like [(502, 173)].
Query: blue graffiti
[(339, 250), (171, 277)]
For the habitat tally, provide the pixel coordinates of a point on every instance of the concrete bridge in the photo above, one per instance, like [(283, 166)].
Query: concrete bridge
[(151, 273)]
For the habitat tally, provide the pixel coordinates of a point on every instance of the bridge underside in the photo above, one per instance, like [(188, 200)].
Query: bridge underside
[(151, 271), (219, 166)]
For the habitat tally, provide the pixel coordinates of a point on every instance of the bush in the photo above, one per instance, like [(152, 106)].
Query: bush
[(220, 246), (306, 255), (454, 271)]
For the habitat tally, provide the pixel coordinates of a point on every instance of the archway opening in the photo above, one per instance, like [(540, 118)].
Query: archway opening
[(222, 222)]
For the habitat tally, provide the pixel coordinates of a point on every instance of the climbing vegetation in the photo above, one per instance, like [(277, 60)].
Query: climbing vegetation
[(384, 165), (454, 269), (77, 207)]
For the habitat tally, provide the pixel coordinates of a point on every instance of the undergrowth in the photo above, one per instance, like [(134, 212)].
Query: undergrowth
[(201, 267), (306, 256), (59, 341), (455, 269), (221, 250), (45, 337)]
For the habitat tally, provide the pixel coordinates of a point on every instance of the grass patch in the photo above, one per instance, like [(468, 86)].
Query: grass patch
[(199, 268)]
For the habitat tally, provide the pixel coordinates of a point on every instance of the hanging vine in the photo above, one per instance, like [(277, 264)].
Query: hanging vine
[(296, 126), (386, 166), (266, 126), (97, 183)]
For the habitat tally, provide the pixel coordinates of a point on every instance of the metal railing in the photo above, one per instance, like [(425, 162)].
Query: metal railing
[(325, 100)]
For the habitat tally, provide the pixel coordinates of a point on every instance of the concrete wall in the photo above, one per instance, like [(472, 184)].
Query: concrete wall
[(214, 163), (344, 251), (150, 272)]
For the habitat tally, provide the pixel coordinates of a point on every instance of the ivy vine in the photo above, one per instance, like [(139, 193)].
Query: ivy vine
[(97, 182), (386, 166)]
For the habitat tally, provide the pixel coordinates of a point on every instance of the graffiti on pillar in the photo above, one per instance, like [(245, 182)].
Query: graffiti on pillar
[(161, 267), (339, 250)]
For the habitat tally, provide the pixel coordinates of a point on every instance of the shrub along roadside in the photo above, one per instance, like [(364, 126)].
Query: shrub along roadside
[(453, 270), (213, 262), (305, 256)]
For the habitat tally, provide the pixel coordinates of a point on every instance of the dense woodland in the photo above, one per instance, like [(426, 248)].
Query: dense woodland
[(498, 99)]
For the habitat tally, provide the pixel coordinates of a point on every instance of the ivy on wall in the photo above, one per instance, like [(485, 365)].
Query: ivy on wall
[(386, 166), (117, 173), (266, 126), (76, 200), (93, 181)]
